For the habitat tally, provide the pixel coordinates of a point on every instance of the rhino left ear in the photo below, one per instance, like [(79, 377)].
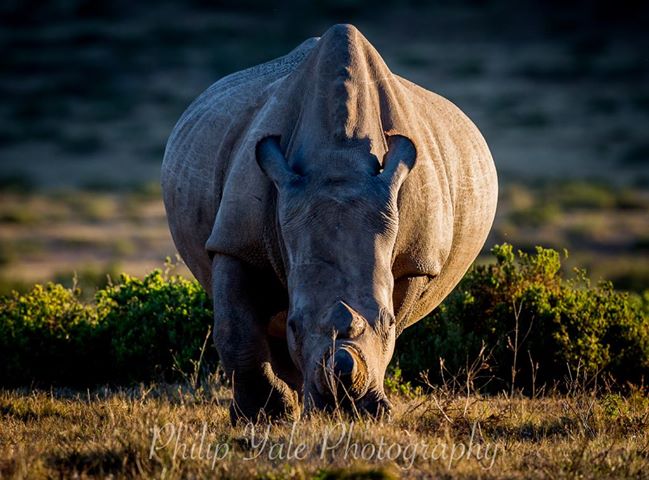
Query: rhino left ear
[(272, 162), (398, 161)]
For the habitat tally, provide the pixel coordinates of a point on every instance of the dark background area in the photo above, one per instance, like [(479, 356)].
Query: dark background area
[(91, 91)]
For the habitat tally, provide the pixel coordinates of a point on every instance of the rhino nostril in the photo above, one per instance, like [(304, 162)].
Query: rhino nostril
[(350, 373), (343, 364), (292, 325)]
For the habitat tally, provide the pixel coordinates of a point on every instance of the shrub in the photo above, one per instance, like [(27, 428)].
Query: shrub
[(154, 329), (154, 326), (136, 330), (45, 335), (563, 323)]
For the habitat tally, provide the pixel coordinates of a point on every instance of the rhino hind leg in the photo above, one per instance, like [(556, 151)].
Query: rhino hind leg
[(243, 306)]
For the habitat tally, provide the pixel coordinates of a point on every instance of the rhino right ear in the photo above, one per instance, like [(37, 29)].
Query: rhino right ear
[(272, 162), (398, 161)]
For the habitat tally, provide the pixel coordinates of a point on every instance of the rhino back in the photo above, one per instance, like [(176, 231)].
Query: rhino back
[(203, 151)]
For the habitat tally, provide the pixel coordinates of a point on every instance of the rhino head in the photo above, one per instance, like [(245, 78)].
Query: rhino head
[(338, 230)]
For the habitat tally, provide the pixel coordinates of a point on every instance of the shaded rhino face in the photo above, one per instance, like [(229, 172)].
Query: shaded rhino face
[(339, 232)]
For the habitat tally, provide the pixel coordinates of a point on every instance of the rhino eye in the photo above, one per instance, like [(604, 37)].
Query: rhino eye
[(387, 319)]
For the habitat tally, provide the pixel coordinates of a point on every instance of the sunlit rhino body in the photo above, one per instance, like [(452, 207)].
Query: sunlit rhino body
[(326, 204)]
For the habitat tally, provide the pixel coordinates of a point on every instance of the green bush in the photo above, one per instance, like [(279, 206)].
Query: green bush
[(45, 335), (563, 323), (155, 328), (136, 330)]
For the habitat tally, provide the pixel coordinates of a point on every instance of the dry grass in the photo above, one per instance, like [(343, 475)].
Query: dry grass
[(440, 434)]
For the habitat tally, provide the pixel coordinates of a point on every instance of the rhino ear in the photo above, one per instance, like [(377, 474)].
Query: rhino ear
[(398, 161), (272, 162)]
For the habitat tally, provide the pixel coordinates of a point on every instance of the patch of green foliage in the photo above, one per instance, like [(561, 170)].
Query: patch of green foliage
[(535, 323), (45, 334), (395, 383), (523, 306), (154, 323), (135, 330)]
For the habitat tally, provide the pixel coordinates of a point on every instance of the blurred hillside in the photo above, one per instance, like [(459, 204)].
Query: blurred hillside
[(91, 91)]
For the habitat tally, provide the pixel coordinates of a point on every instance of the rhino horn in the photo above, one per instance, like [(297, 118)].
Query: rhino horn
[(346, 321)]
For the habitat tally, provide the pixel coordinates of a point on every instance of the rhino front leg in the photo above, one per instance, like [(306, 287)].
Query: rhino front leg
[(241, 315)]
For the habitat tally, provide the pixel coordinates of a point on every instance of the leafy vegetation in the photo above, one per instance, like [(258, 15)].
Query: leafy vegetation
[(155, 326), (532, 325), (46, 334), (136, 330)]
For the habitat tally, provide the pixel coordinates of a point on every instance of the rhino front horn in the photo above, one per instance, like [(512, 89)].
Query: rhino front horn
[(350, 372), (346, 321)]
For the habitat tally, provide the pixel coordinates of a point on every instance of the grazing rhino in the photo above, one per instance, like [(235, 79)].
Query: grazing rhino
[(326, 204)]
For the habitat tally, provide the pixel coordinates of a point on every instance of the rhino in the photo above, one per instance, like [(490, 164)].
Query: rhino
[(325, 204)]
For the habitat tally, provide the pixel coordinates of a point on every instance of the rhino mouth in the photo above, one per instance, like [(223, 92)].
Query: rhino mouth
[(343, 375), (374, 404)]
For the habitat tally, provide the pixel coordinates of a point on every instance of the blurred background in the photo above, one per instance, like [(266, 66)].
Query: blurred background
[(90, 91)]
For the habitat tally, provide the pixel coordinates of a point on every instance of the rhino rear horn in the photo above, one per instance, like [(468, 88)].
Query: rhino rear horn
[(272, 162), (398, 161)]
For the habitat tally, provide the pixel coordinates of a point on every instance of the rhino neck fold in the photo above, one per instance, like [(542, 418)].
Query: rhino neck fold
[(275, 247)]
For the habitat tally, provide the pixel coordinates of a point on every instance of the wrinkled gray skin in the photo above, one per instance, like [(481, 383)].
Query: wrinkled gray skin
[(339, 232), (326, 204)]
